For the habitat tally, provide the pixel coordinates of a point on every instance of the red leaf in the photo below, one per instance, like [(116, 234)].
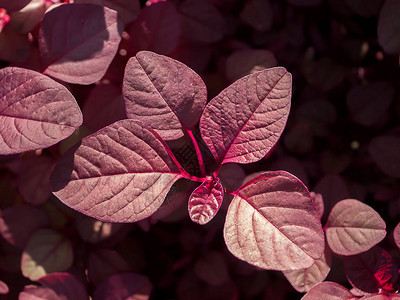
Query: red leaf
[(47, 251), (388, 27), (205, 201), (157, 28), (14, 4), (35, 111), (272, 223), (372, 271), (77, 42), (353, 227), (201, 22), (119, 174), (245, 120), (173, 92), (258, 14), (328, 290), (128, 9), (385, 153), (396, 235), (124, 286), (65, 285)]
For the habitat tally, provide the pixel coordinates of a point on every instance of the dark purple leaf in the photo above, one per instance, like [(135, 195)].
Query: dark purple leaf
[(372, 271), (14, 4), (26, 19), (389, 27), (163, 93), (157, 28), (16, 232), (292, 165), (128, 9), (304, 279), (248, 61), (205, 201), (258, 14), (245, 120), (195, 55), (368, 104), (385, 153), (353, 227), (118, 174), (47, 251), (232, 176), (35, 111), (272, 223), (212, 268), (3, 288), (298, 139), (328, 290), (124, 286), (103, 106), (65, 285), (32, 292), (366, 9), (201, 22), (396, 235), (13, 46), (77, 42)]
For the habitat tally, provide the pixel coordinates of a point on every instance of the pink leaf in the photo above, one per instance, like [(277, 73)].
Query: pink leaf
[(35, 111), (272, 223), (124, 286), (353, 227), (328, 290), (119, 174), (38, 293), (47, 251), (258, 14), (388, 27), (128, 9), (157, 28), (245, 120), (3, 288), (14, 4), (173, 92), (384, 152), (304, 279), (201, 22), (372, 271), (396, 235), (77, 42), (65, 285), (205, 201), (381, 297)]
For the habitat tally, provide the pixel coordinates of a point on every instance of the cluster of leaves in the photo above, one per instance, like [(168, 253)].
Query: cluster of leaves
[(99, 109)]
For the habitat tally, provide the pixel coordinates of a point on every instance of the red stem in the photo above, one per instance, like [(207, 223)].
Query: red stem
[(198, 153)]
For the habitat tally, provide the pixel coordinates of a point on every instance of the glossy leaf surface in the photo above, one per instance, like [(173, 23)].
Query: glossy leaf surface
[(272, 223), (384, 152), (353, 227), (164, 93), (205, 201), (372, 271), (47, 251), (328, 290), (35, 111), (77, 42), (245, 120), (120, 173), (65, 285), (124, 286), (389, 27)]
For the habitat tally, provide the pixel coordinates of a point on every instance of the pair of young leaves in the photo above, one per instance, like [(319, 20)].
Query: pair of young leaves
[(123, 172)]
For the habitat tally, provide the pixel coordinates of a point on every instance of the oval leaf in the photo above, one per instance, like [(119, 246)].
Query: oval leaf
[(35, 111), (372, 271), (37, 293), (245, 120), (396, 235), (3, 288), (272, 223), (65, 285), (389, 27), (173, 92), (385, 152), (205, 201), (47, 251), (119, 174), (353, 227), (124, 286), (328, 290), (77, 42)]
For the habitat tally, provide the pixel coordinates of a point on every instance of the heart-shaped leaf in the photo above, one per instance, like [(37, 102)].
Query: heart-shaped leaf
[(47, 251), (384, 151), (372, 271), (205, 201), (396, 235), (389, 27), (164, 93), (353, 227), (35, 111), (272, 223), (77, 42), (245, 120), (121, 173), (328, 290)]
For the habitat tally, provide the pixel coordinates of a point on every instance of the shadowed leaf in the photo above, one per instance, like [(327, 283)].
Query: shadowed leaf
[(389, 27), (385, 153), (396, 235), (65, 285), (14, 4)]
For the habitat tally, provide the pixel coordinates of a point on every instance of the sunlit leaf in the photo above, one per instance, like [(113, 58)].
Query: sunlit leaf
[(328, 290)]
